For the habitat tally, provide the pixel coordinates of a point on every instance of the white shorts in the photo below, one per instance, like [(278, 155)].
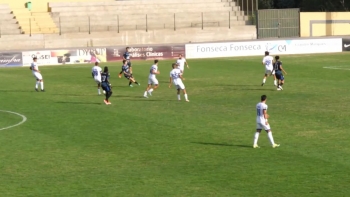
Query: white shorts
[(263, 126), (180, 86), (269, 72), (182, 69), (98, 81), (152, 80), (38, 76)]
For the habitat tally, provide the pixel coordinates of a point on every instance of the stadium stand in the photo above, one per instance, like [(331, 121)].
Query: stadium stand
[(146, 15), (87, 23), (9, 25)]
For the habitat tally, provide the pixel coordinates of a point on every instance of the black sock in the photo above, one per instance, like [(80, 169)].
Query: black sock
[(109, 94), (130, 83), (121, 72), (136, 83)]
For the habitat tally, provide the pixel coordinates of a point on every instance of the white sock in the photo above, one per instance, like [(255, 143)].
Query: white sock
[(264, 80), (256, 137), (150, 90), (99, 91), (269, 134), (178, 97), (37, 84), (186, 98), (42, 85), (275, 82), (145, 94)]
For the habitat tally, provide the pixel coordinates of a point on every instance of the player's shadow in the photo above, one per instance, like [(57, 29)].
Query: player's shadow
[(19, 91), (81, 103), (222, 144)]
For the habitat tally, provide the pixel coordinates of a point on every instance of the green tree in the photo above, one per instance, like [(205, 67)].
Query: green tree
[(285, 4), (266, 4)]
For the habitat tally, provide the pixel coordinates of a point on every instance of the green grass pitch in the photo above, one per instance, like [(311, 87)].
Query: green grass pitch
[(74, 145)]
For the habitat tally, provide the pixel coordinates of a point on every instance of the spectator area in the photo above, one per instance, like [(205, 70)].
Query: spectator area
[(146, 15)]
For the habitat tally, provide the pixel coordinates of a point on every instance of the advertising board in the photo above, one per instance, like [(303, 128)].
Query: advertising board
[(11, 59), (254, 48)]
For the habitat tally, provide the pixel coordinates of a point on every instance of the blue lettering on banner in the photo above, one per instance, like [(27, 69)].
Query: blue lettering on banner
[(11, 59), (212, 49)]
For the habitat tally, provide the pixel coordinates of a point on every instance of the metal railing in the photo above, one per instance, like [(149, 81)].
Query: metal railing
[(149, 22)]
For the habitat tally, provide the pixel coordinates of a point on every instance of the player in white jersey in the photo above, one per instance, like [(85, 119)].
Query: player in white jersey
[(176, 79), (268, 63), (262, 123), (152, 80), (181, 62), (36, 72), (96, 73)]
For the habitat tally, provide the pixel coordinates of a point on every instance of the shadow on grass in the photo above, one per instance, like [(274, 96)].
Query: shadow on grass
[(80, 103), (222, 144), (19, 91)]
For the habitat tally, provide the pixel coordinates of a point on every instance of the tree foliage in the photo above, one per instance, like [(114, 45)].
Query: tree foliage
[(307, 5)]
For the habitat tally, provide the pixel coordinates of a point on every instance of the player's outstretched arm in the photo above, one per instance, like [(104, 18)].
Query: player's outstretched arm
[(283, 70)]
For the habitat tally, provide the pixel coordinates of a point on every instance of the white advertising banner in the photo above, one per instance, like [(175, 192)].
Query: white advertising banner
[(254, 48), (44, 57)]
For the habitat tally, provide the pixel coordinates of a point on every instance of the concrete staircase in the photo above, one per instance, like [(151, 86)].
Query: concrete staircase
[(35, 22), (38, 20)]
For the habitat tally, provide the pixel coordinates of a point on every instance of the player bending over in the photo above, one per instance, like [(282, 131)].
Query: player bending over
[(96, 73), (176, 78), (262, 123), (36, 72), (268, 63), (128, 74), (279, 72), (106, 86), (181, 62), (126, 56), (152, 80)]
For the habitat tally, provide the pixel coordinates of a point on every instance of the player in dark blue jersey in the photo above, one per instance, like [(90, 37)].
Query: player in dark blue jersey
[(126, 70), (105, 84), (126, 56), (277, 66)]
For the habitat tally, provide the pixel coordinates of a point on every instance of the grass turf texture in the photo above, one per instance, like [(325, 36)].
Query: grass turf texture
[(74, 145)]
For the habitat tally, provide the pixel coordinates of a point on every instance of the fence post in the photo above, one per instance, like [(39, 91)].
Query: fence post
[(59, 25), (248, 7), (118, 22), (202, 21), (146, 24), (229, 19), (174, 22), (30, 27), (89, 26)]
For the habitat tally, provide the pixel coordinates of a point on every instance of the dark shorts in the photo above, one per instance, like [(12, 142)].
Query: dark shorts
[(106, 87), (279, 75), (129, 63), (128, 76)]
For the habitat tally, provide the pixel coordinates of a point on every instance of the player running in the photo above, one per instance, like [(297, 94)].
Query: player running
[(181, 62), (262, 123), (126, 56), (36, 72), (152, 80), (268, 63), (176, 78), (279, 72), (128, 74), (105, 84), (96, 73)]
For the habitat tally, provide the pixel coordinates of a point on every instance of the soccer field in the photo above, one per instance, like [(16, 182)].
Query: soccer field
[(72, 144)]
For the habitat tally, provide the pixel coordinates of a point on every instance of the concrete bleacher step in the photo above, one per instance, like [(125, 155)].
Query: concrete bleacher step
[(111, 3), (136, 7)]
